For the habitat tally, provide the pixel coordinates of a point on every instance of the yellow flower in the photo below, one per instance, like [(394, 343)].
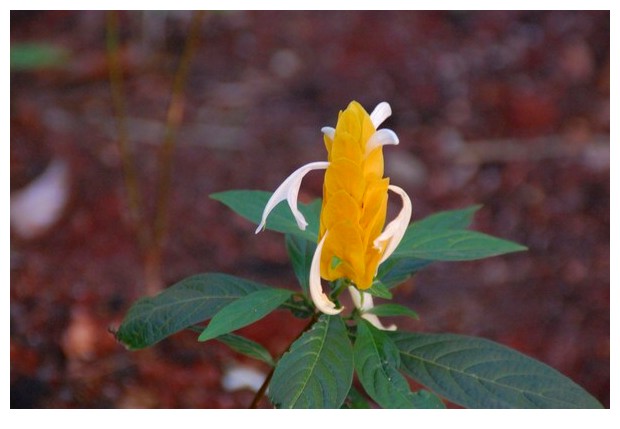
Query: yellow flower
[(352, 239)]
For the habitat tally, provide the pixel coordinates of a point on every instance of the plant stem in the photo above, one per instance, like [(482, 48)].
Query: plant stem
[(173, 120), (261, 392), (118, 101)]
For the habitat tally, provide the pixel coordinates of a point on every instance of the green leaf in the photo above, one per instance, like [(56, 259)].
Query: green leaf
[(397, 269), (478, 373), (450, 219), (317, 371), (35, 56), (244, 311), (186, 303), (300, 252), (379, 290), (246, 347), (393, 310), (394, 271), (355, 400), (451, 245), (376, 363), (250, 205)]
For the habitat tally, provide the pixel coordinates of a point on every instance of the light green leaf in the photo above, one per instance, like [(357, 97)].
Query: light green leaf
[(478, 373), (452, 245), (246, 347), (450, 219), (250, 205), (186, 303), (384, 310), (244, 311), (300, 252), (376, 363), (317, 371)]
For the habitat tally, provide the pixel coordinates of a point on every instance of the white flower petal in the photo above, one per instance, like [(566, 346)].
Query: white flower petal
[(289, 190), (329, 132), (382, 137), (395, 230), (374, 320), (321, 301), (363, 301), (380, 114)]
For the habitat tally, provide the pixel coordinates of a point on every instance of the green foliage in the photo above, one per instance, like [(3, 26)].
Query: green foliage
[(478, 373), (379, 290), (449, 219), (394, 272), (300, 252), (318, 368), (244, 311), (355, 400), (317, 371), (186, 303), (376, 363), (384, 310), (36, 56), (399, 268), (250, 205), (246, 347), (451, 245)]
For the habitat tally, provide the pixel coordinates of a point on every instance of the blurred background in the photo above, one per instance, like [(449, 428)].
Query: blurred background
[(505, 109)]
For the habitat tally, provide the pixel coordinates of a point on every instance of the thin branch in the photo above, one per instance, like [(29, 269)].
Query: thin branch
[(174, 118), (118, 101)]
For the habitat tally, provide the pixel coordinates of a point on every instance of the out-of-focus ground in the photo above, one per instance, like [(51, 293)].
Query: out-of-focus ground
[(506, 109)]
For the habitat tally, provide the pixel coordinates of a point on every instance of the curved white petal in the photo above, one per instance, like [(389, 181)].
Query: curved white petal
[(381, 137), (395, 230), (289, 190), (363, 301), (321, 301), (381, 113), (329, 132)]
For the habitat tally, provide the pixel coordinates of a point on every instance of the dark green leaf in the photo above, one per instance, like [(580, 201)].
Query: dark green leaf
[(300, 252), (244, 311), (186, 303), (317, 371), (250, 205), (379, 290), (450, 219), (355, 400), (376, 363), (393, 310), (246, 347), (451, 245), (395, 271), (478, 373)]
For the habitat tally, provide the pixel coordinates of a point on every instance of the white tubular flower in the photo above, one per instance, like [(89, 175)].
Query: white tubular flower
[(381, 137), (380, 113), (395, 230), (289, 190), (363, 302), (329, 132), (321, 301)]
